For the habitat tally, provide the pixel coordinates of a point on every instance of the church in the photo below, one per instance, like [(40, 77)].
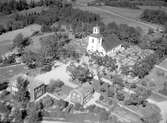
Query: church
[(97, 45)]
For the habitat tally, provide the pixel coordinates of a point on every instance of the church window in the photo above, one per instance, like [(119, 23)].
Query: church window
[(92, 40)]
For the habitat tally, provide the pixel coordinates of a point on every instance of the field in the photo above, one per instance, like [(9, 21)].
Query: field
[(6, 38), (154, 8), (8, 72), (120, 16), (4, 46)]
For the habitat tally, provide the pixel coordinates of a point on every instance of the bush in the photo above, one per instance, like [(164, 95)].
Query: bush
[(46, 28), (154, 16)]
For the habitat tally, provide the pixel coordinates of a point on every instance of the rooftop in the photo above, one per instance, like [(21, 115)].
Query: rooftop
[(111, 42), (85, 89)]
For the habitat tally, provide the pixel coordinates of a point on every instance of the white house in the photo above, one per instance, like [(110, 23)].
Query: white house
[(97, 45)]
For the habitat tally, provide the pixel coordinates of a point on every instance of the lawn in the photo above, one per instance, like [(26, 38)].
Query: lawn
[(8, 72)]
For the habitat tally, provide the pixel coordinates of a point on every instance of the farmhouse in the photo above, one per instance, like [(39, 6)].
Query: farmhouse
[(36, 88), (97, 45), (81, 94)]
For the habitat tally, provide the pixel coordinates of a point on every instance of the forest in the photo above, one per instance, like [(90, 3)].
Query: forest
[(63, 13)]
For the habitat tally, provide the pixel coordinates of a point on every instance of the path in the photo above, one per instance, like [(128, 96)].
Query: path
[(9, 66), (162, 68)]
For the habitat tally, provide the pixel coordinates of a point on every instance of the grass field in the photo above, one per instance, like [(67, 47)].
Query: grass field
[(120, 16), (6, 38), (127, 12), (4, 46), (8, 72)]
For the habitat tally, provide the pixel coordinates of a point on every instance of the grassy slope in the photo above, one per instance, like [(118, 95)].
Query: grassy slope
[(6, 38)]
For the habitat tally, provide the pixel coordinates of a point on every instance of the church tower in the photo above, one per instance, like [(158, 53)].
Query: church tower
[(95, 42), (96, 30)]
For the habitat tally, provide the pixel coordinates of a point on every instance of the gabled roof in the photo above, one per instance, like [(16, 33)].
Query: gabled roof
[(85, 89), (111, 42)]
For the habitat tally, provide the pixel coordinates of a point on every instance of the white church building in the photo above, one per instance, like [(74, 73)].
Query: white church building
[(96, 44)]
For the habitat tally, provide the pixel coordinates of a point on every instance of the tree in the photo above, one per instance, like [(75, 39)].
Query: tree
[(78, 107), (103, 116), (81, 73), (120, 96), (164, 90), (2, 29), (154, 16), (54, 85), (17, 115), (22, 95), (20, 42), (34, 113)]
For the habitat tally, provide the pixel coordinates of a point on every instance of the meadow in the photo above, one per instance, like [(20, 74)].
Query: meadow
[(120, 16), (6, 38)]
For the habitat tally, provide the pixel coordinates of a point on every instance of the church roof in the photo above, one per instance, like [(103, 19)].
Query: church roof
[(111, 42)]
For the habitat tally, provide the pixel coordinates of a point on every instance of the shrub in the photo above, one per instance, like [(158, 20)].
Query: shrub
[(154, 16)]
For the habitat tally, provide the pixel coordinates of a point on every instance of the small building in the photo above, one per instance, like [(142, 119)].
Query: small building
[(81, 94), (96, 44), (36, 88)]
